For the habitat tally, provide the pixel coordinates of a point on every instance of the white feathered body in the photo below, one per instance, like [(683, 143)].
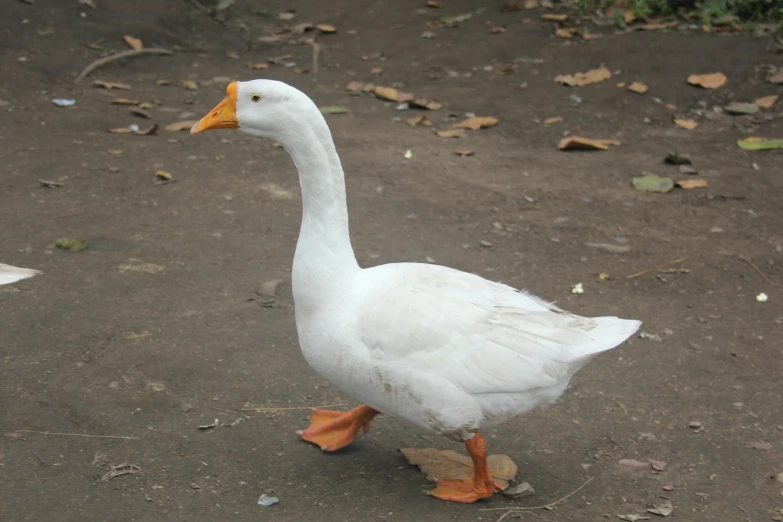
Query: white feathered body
[(446, 350)]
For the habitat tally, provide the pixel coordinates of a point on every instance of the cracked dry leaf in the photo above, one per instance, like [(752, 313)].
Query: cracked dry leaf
[(692, 183), (133, 43), (586, 78), (708, 81), (766, 102), (180, 125), (580, 143), (111, 85), (638, 87), (451, 133), (685, 124), (476, 123), (450, 465)]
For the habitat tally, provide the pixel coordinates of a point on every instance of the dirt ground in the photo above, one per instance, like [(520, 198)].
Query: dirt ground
[(158, 327)]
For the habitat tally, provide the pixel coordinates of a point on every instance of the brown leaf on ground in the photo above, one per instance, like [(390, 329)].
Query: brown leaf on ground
[(579, 143), (565, 32), (180, 125), (259, 65), (767, 101), (551, 17), (424, 103), (326, 28), (451, 133), (464, 152), (638, 88), (433, 4), (553, 120), (133, 43), (301, 70), (141, 113), (708, 81), (450, 465), (422, 121), (124, 101), (476, 123), (691, 183), (111, 85), (386, 93), (162, 82), (685, 124), (585, 78)]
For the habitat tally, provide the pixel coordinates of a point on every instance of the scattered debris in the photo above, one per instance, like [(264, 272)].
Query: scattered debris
[(579, 143), (259, 65), (762, 297), (585, 78), (184, 125), (408, 154), (685, 124), (121, 469), (664, 509), (687, 169), (675, 158), (205, 427), (111, 85), (422, 121), (476, 123), (775, 77), (137, 265), (190, 85), (464, 152), (653, 183), (265, 500), (551, 17), (741, 108), (333, 109), (766, 102), (450, 133), (63, 102), (756, 143), (50, 184), (553, 120), (450, 465), (124, 101), (653, 337), (632, 518), (162, 174), (577, 289), (134, 129), (609, 247), (326, 28), (695, 425), (633, 463), (70, 244), (136, 111), (691, 183), (708, 81), (521, 490), (566, 33), (133, 43), (653, 269), (638, 88)]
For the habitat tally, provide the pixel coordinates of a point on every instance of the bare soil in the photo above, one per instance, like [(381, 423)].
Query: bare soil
[(158, 327)]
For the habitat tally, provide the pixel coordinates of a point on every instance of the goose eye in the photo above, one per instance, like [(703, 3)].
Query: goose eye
[(255, 98)]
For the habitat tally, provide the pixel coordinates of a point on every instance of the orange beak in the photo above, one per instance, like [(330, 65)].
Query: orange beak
[(224, 116)]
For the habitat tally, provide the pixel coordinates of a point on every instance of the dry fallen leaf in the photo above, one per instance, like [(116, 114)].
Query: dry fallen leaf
[(550, 17), (190, 85), (653, 183), (450, 465), (451, 133), (638, 87), (111, 85), (163, 82), (664, 509), (433, 4), (386, 93), (585, 78), (180, 125), (464, 152), (476, 123), (141, 113), (133, 43), (708, 81), (758, 143), (692, 183), (162, 174), (124, 101), (419, 120), (326, 28), (150, 131), (775, 77), (301, 70), (685, 124), (767, 101), (259, 65), (579, 143), (424, 103), (376, 71), (553, 120), (565, 32)]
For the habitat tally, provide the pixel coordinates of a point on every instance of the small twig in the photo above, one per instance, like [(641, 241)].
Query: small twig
[(545, 506), (748, 261), (316, 52), (260, 410), (79, 435), (119, 56), (653, 269), (222, 409)]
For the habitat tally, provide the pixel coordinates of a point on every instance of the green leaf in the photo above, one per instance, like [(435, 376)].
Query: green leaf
[(756, 143), (333, 109), (653, 183)]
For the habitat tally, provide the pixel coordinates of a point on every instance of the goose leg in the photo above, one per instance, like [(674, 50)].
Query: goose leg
[(482, 485), (332, 430)]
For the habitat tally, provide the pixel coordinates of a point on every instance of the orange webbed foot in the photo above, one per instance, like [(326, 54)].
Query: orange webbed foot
[(332, 430), (464, 491)]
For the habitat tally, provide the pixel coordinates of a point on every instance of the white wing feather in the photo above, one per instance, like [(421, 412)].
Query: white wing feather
[(11, 274)]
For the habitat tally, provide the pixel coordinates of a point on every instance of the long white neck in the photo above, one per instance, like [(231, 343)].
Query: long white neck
[(324, 255)]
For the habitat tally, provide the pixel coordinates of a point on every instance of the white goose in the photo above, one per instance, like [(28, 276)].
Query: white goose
[(11, 274), (449, 351)]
